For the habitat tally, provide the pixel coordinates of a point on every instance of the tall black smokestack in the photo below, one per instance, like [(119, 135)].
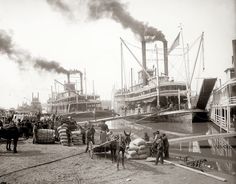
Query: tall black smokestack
[(144, 62), (234, 56), (81, 82), (165, 47), (68, 78)]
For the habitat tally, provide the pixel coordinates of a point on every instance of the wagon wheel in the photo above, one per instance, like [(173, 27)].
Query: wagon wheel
[(91, 149)]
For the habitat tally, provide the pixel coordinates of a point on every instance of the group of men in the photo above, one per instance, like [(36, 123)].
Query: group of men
[(90, 132)]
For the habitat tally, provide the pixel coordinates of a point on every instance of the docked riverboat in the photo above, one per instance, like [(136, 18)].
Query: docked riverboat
[(75, 103), (223, 105), (160, 97)]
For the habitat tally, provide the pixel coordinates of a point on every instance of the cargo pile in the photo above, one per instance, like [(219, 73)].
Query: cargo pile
[(63, 135), (77, 137), (46, 136), (138, 149)]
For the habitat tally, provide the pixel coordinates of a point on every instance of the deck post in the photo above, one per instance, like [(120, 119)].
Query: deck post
[(228, 119), (220, 118)]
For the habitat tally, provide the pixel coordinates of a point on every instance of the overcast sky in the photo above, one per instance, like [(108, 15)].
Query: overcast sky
[(76, 42)]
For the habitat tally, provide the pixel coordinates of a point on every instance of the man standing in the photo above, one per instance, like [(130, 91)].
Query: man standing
[(160, 149), (165, 145), (92, 130), (89, 138)]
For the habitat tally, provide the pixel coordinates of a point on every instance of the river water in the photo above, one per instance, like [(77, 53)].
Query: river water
[(220, 153)]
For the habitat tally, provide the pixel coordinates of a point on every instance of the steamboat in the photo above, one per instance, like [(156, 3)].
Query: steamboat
[(74, 103), (157, 97), (223, 104)]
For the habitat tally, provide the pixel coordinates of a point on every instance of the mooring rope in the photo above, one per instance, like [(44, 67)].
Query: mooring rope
[(45, 163)]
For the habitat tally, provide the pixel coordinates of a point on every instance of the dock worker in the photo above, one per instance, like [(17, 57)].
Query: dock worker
[(156, 135), (146, 137), (89, 138), (92, 130), (104, 127), (35, 132), (160, 149), (165, 145)]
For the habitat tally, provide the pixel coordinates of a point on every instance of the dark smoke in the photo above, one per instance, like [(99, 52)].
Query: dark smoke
[(62, 7), (49, 65), (23, 57), (6, 45), (117, 11)]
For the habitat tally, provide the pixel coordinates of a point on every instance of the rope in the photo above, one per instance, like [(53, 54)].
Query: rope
[(38, 165)]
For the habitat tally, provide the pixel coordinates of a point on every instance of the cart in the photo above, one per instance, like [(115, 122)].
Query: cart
[(100, 148)]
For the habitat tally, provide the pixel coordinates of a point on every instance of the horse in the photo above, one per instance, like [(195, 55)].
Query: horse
[(120, 144), (12, 133)]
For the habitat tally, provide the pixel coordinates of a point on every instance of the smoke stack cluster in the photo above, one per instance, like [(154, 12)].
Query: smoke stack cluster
[(23, 57)]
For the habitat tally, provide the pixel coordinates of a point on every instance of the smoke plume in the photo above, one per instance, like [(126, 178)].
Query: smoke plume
[(117, 11), (62, 7), (22, 57)]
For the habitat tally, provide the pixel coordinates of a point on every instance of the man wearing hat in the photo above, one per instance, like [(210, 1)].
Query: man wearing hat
[(160, 150)]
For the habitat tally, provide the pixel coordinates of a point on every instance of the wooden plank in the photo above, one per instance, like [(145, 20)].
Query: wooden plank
[(201, 137), (197, 171), (103, 144), (152, 159), (118, 117)]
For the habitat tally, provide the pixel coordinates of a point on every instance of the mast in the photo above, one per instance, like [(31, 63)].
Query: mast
[(199, 48), (93, 90), (85, 84), (131, 79), (185, 65), (121, 56)]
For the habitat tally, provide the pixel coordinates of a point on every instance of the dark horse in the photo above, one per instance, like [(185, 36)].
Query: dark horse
[(11, 133), (120, 144)]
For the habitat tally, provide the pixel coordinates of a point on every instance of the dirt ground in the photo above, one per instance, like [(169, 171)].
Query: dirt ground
[(54, 163)]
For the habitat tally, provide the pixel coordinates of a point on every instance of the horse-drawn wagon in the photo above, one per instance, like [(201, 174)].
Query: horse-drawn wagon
[(102, 148)]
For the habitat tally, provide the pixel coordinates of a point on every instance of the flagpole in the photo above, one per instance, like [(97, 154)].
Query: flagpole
[(157, 78)]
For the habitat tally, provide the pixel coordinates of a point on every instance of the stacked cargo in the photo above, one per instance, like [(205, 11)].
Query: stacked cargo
[(77, 137), (63, 134), (46, 136), (138, 149)]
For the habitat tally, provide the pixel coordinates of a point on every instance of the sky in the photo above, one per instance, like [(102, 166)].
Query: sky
[(74, 40)]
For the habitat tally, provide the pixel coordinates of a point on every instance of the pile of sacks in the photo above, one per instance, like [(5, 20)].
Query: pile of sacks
[(138, 149), (63, 135), (77, 137)]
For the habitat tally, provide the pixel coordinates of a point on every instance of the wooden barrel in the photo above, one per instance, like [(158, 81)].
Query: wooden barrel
[(45, 136)]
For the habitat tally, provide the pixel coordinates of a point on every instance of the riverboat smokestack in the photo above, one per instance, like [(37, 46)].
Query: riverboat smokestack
[(144, 62), (68, 78), (234, 56), (165, 48), (81, 82)]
